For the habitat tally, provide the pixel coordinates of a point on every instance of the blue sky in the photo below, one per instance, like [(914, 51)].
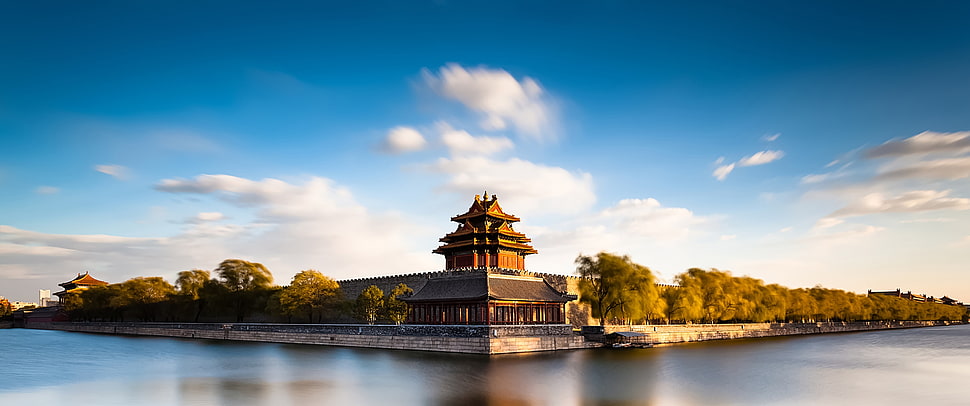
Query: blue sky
[(801, 144)]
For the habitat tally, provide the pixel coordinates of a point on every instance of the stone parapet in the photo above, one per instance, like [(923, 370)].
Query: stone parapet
[(682, 333), (461, 339)]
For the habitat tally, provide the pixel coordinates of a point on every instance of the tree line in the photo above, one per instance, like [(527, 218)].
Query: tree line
[(6, 309), (621, 291), (236, 290)]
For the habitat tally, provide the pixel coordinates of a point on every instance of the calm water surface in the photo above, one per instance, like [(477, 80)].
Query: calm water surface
[(925, 366)]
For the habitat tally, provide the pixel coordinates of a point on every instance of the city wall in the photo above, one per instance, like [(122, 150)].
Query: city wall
[(461, 339), (672, 334), (470, 339)]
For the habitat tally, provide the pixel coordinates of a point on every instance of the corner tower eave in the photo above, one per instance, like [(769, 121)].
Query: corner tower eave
[(485, 238)]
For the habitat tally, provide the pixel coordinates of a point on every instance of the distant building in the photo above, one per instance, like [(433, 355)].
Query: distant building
[(916, 297), (45, 298), (17, 305), (79, 283)]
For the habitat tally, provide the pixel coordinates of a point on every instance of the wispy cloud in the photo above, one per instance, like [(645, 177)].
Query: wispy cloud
[(46, 190), (949, 169), (116, 171), (771, 137), (758, 158), (461, 143), (924, 143), (883, 177), (909, 202), (761, 158), (721, 172)]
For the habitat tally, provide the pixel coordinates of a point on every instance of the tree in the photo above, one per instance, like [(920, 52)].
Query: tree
[(245, 283), (684, 303), (189, 283), (100, 303), (6, 308), (193, 286), (143, 295), (238, 275), (396, 309), (308, 291), (615, 286), (369, 303)]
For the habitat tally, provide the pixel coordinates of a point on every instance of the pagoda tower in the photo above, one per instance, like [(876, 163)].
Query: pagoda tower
[(485, 239)]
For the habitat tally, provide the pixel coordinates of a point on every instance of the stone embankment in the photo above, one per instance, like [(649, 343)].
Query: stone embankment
[(683, 333), (462, 339), (472, 339)]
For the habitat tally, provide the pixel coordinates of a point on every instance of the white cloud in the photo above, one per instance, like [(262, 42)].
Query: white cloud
[(503, 100), (461, 143), (924, 143), (771, 138), (278, 200), (827, 222), (528, 187), (403, 139), (761, 158), (723, 171), (46, 190), (728, 237), (647, 217), (758, 158), (206, 217), (115, 171), (316, 224), (913, 201)]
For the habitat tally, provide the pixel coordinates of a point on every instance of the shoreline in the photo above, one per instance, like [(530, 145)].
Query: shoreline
[(475, 339)]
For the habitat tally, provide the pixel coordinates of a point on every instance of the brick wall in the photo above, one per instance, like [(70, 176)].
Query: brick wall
[(462, 339)]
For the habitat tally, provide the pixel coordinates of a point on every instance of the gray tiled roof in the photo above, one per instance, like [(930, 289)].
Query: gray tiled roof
[(480, 287)]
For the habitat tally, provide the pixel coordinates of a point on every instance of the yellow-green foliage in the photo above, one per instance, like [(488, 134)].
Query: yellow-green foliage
[(311, 292), (710, 296), (619, 290)]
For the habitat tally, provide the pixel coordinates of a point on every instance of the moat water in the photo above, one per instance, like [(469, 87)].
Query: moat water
[(924, 366)]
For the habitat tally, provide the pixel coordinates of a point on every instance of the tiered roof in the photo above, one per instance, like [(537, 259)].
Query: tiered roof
[(82, 281), (489, 287), (485, 224)]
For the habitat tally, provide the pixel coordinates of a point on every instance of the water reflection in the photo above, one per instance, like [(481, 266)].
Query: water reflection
[(921, 365)]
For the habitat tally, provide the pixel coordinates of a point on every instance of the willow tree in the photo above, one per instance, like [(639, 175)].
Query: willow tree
[(246, 284), (144, 295), (616, 287), (192, 285), (310, 290)]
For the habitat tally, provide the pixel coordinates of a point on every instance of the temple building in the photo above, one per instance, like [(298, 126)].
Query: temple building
[(485, 281), (77, 284)]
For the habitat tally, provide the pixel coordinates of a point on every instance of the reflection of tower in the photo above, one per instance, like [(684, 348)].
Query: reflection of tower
[(45, 297)]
